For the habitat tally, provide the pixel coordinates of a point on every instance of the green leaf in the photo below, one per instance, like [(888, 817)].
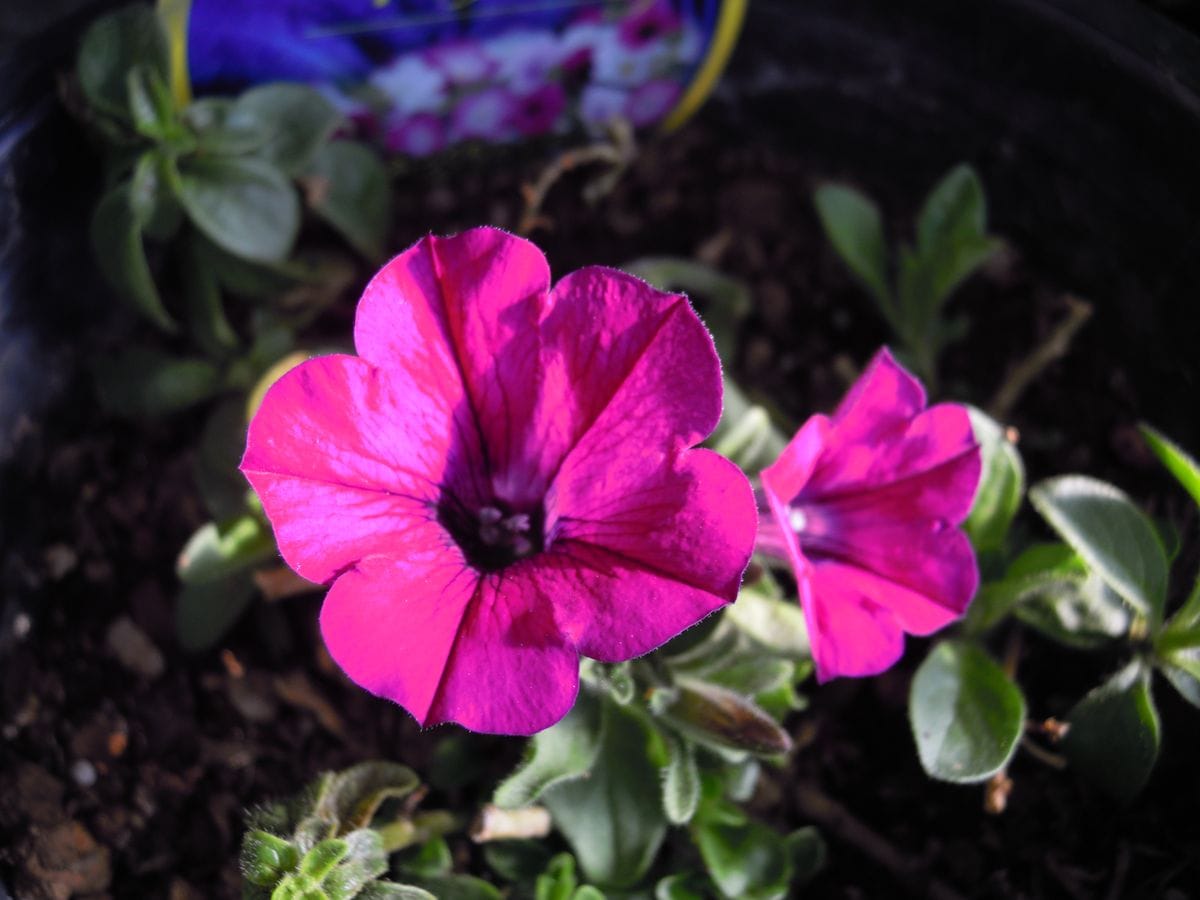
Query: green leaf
[(364, 862), (686, 886), (954, 208), (215, 552), (517, 861), (854, 227), (562, 752), (155, 209), (460, 887), (204, 611), (151, 105), (966, 715), (428, 860), (348, 187), (320, 860), (951, 235), (744, 859), (613, 819), (680, 782), (215, 466), (117, 243), (718, 717), (1181, 667), (386, 890), (1113, 537), (265, 858), (1001, 485), (208, 118), (354, 795), (294, 119), (778, 625), (141, 382), (1176, 460), (205, 312), (1082, 612), (113, 45), (558, 882), (244, 206), (1114, 734), (808, 853)]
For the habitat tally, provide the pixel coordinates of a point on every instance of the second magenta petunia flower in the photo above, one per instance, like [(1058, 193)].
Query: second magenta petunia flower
[(502, 480), (866, 505)]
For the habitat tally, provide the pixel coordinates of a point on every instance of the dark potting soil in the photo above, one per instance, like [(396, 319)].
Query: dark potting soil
[(126, 764)]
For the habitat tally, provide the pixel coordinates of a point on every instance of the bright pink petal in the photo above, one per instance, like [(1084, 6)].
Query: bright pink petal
[(391, 624), (850, 632), (879, 406), (929, 558), (930, 470), (463, 312), (450, 645), (649, 561), (346, 458), (915, 612), (511, 672), (788, 475), (619, 361)]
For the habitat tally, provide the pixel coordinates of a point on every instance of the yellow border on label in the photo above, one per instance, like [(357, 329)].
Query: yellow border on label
[(729, 26), (174, 16)]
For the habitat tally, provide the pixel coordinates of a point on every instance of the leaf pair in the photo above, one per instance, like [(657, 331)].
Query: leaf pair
[(952, 243)]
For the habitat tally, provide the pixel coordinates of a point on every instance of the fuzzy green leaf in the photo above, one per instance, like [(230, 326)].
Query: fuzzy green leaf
[(1114, 735), (1001, 485), (613, 819), (1113, 537), (966, 715), (680, 781), (560, 753)]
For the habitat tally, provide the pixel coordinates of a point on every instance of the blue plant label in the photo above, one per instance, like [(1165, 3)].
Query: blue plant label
[(421, 75)]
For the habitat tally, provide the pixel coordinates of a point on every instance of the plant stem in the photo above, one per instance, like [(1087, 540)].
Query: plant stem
[(1032, 366)]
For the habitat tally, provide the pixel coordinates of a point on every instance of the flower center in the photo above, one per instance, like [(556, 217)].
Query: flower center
[(494, 535)]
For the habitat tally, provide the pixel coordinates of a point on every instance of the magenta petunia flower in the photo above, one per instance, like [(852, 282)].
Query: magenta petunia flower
[(866, 505), (501, 481)]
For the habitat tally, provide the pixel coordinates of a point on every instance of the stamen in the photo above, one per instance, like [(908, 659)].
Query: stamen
[(797, 519)]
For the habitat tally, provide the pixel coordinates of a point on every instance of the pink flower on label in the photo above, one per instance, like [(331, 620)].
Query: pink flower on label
[(650, 23), (501, 481), (866, 504)]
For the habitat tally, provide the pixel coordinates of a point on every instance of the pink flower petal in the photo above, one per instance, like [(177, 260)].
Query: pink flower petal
[(391, 624), (658, 553), (913, 611), (345, 458), (929, 469), (450, 645), (465, 310), (652, 375), (850, 632), (788, 475), (881, 403), (511, 672)]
